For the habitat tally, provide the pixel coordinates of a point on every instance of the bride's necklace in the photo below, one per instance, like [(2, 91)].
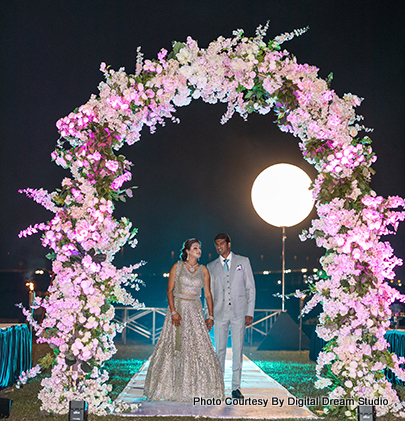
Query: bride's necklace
[(191, 268)]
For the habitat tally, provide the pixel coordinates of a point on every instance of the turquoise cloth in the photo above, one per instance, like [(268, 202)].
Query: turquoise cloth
[(396, 339), (15, 353)]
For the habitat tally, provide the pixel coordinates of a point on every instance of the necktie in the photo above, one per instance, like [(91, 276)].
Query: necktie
[(226, 267)]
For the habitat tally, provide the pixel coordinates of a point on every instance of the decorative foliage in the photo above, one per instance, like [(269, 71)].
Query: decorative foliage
[(30, 374), (250, 76)]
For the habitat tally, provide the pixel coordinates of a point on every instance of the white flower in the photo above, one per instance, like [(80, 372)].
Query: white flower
[(186, 71), (348, 384), (321, 383), (353, 131), (184, 56)]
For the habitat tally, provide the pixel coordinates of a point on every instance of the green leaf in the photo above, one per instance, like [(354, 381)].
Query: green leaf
[(51, 256), (105, 307), (329, 79), (75, 258), (177, 46), (98, 258), (70, 360), (85, 367), (47, 361), (79, 248)]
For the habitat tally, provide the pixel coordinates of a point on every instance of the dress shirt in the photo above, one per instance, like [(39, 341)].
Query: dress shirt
[(229, 260)]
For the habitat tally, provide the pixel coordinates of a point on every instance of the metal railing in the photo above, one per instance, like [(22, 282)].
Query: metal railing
[(263, 321), (132, 321)]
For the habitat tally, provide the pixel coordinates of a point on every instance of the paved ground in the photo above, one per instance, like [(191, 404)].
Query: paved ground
[(264, 398)]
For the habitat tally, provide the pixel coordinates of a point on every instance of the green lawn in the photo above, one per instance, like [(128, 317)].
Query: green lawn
[(292, 369)]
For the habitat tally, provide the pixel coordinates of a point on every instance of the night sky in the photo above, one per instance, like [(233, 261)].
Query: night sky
[(195, 178)]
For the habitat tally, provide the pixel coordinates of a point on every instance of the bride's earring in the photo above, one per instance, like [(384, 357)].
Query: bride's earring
[(188, 256)]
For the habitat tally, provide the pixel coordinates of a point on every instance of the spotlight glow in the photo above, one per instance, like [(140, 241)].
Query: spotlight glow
[(30, 285), (281, 195)]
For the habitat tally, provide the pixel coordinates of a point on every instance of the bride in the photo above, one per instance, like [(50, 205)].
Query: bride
[(184, 364)]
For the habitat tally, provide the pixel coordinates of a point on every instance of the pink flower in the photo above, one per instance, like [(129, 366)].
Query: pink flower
[(77, 346), (112, 165), (96, 156), (87, 287)]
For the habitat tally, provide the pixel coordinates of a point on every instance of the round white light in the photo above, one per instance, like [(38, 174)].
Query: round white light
[(281, 195)]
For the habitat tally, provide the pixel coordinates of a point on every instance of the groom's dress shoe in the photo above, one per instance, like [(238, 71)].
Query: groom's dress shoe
[(236, 394)]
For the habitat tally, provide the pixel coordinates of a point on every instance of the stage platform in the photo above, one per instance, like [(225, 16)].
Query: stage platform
[(256, 385)]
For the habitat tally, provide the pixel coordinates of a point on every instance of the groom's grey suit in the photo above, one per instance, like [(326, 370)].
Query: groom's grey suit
[(233, 295)]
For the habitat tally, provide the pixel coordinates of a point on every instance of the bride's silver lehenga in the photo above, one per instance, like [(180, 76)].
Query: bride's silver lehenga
[(184, 364)]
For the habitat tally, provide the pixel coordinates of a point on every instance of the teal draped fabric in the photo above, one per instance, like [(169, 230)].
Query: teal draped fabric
[(396, 339), (15, 353)]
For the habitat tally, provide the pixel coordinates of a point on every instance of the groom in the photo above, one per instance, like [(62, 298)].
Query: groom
[(233, 293)]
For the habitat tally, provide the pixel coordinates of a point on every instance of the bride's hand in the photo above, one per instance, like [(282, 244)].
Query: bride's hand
[(176, 319)]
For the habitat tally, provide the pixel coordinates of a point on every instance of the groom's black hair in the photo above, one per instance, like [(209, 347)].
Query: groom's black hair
[(222, 236)]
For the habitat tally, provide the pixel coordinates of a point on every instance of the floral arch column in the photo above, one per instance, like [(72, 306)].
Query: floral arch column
[(250, 76)]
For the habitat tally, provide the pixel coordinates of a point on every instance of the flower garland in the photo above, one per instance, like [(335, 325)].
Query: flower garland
[(83, 237), (250, 76)]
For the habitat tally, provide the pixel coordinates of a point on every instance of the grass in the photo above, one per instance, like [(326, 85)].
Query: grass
[(121, 372), (292, 369), (297, 378)]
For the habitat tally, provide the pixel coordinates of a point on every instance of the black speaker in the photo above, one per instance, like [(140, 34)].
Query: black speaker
[(77, 411), (5, 406), (365, 413)]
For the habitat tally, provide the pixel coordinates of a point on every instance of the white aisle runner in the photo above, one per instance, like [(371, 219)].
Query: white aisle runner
[(263, 397)]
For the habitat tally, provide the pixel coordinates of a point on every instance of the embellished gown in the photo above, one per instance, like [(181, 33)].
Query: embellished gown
[(184, 364)]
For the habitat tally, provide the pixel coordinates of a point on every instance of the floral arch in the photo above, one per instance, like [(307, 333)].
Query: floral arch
[(250, 76)]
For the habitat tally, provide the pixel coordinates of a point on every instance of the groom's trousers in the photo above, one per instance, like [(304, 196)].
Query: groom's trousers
[(221, 329)]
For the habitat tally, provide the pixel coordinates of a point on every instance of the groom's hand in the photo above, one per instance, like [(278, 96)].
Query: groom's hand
[(209, 323), (248, 320)]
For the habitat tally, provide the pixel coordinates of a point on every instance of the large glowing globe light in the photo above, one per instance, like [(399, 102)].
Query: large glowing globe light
[(281, 195)]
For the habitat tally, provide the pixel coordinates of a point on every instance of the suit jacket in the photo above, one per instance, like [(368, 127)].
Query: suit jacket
[(242, 287)]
